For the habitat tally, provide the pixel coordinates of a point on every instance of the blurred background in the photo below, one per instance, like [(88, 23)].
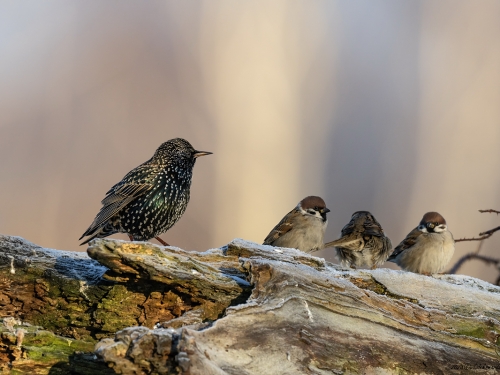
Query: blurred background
[(386, 106)]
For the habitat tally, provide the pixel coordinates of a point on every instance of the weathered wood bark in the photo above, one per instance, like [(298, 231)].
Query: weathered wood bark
[(304, 315), (67, 294)]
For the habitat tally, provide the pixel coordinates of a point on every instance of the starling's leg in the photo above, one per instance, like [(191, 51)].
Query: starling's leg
[(374, 267), (161, 241), (129, 236)]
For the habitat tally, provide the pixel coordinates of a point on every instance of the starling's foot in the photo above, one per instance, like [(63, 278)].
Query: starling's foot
[(162, 242), (131, 238), (373, 267)]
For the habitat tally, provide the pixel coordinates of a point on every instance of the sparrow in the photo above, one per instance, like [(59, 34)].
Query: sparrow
[(362, 242), (303, 227), (428, 248), (151, 198)]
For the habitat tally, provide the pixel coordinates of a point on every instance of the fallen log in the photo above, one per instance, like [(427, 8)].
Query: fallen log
[(248, 309)]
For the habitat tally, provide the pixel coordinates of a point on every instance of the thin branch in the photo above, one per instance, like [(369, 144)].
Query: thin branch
[(484, 235), (473, 238), (490, 211), (475, 254), (488, 233), (469, 239), (470, 256)]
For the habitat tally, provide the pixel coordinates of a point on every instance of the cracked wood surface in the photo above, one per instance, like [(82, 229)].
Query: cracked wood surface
[(306, 316), (244, 309)]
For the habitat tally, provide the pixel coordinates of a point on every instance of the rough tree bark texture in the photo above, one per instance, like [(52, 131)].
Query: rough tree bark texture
[(246, 309)]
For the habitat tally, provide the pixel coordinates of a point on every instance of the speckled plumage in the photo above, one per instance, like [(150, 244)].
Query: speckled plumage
[(151, 198)]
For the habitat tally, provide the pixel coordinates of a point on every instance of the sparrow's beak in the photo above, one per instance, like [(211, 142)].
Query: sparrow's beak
[(197, 154), (325, 210)]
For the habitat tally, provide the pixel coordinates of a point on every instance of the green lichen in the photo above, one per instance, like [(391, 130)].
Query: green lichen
[(477, 332), (39, 348)]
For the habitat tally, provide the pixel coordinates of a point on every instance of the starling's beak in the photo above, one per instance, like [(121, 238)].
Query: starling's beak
[(325, 210), (197, 154)]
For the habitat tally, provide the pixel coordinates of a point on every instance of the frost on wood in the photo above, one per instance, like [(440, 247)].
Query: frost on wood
[(249, 309), (306, 316)]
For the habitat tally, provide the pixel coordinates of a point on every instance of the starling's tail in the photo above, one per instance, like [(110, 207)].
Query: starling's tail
[(100, 232), (87, 240)]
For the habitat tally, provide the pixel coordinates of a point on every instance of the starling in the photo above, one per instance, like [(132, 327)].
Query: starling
[(151, 198)]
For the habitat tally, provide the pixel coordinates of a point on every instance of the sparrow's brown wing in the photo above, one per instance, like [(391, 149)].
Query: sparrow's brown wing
[(372, 227), (281, 228), (408, 242), (352, 235)]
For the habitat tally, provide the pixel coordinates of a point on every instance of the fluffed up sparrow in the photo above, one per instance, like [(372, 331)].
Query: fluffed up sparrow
[(428, 248), (362, 242), (303, 227)]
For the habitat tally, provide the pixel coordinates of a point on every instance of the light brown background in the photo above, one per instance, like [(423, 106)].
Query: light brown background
[(387, 106)]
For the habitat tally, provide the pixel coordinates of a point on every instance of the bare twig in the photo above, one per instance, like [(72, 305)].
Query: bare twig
[(466, 257), (469, 239), (470, 256), (483, 235), (490, 211), (488, 233), (473, 238), (475, 254)]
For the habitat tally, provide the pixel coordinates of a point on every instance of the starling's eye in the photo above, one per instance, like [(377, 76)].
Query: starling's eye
[(316, 208)]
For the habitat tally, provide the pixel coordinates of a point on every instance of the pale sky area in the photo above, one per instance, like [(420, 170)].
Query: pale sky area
[(381, 105)]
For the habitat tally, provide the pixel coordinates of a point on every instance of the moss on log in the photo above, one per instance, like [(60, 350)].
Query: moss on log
[(241, 309)]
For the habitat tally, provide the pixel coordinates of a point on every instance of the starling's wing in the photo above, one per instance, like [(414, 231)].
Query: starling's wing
[(408, 242), (136, 183), (280, 229)]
